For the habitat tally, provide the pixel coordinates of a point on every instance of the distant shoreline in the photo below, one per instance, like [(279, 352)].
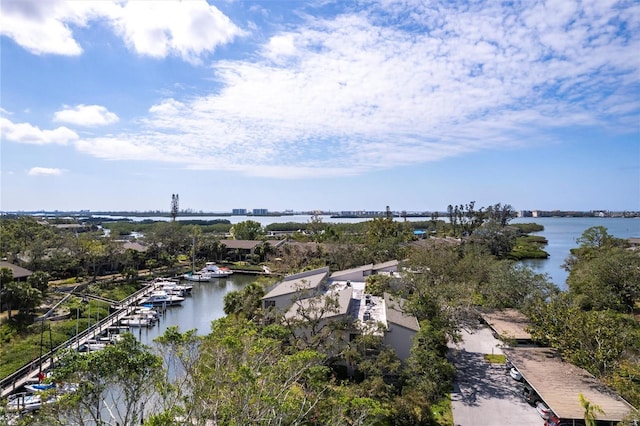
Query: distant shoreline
[(332, 214)]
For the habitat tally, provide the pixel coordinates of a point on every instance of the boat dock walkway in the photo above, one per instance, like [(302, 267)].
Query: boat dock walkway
[(29, 373)]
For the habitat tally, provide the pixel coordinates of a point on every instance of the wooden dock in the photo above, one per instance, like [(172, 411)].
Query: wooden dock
[(29, 372)]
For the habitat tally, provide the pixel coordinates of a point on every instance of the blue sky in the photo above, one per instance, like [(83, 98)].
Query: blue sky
[(319, 105)]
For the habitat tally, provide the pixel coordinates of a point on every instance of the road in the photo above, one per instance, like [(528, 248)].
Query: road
[(484, 394)]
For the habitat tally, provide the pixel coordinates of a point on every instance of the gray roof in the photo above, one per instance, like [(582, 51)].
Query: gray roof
[(344, 300), (249, 244), (364, 268), (18, 271), (395, 313), (560, 383), (508, 323), (385, 265), (303, 281)]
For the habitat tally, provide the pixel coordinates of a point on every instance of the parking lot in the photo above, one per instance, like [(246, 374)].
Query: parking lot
[(484, 393)]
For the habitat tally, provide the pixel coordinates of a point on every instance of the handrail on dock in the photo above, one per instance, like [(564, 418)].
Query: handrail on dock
[(29, 371)]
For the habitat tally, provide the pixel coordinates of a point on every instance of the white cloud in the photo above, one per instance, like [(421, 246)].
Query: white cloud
[(186, 29), (29, 134), (342, 96), (397, 84), (44, 171), (152, 28), (86, 115)]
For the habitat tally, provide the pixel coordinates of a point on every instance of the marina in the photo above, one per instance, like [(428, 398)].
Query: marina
[(205, 304)]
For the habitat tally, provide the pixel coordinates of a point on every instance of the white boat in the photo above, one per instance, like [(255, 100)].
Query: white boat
[(172, 287), (26, 402), (162, 298), (217, 271), (137, 321), (201, 276), (92, 346)]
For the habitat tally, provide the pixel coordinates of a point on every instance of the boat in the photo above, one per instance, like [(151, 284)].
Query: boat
[(92, 346), (39, 387), (172, 287), (217, 271), (201, 276), (26, 402), (162, 298), (138, 321)]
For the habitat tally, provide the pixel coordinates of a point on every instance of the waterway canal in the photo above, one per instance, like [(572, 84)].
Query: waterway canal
[(205, 304)]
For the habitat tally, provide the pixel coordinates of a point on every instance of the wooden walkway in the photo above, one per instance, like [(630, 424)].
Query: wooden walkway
[(29, 373)]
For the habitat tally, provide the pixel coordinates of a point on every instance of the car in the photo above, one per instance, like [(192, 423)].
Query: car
[(515, 374), (530, 395), (544, 411)]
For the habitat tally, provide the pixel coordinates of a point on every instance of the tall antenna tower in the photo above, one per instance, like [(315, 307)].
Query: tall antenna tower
[(175, 206)]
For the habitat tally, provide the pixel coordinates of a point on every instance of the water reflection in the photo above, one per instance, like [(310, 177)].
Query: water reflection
[(205, 304)]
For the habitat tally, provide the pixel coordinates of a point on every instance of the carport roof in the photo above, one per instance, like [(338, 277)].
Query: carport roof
[(559, 384), (508, 323)]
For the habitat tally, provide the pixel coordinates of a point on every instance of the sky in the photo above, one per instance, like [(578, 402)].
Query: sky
[(319, 105)]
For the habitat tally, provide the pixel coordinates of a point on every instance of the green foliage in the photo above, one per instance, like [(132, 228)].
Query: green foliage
[(593, 340), (513, 285), (377, 284), (247, 230), (529, 247), (527, 228), (625, 379), (608, 278)]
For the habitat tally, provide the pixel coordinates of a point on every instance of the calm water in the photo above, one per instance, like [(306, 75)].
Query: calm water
[(205, 304), (562, 232)]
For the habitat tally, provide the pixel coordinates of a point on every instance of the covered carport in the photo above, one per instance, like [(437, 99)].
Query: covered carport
[(560, 383), (509, 324)]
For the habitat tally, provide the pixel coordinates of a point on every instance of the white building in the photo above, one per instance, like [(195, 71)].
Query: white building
[(294, 287), (343, 298)]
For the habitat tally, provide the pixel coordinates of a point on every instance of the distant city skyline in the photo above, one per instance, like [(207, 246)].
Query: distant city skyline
[(306, 105)]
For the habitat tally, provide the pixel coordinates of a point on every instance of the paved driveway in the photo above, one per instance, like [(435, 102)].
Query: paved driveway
[(484, 394)]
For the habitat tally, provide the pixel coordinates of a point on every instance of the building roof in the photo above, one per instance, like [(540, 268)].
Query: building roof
[(395, 313), (365, 268), (303, 281), (508, 323), (248, 244), (134, 245), (336, 275), (319, 303), (386, 265), (18, 271), (559, 384)]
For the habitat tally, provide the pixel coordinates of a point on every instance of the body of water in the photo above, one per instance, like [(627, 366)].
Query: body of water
[(205, 304), (562, 233)]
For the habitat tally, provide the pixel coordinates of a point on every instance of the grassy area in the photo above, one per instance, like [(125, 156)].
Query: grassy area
[(21, 337), (495, 359), (529, 247), (442, 412)]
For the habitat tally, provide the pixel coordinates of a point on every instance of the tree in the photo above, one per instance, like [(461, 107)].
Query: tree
[(428, 370), (21, 295), (245, 378), (122, 377), (593, 340), (513, 285), (383, 239), (6, 276), (39, 280), (591, 410), (606, 279), (247, 230), (378, 284)]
